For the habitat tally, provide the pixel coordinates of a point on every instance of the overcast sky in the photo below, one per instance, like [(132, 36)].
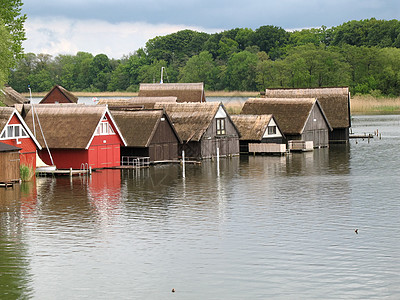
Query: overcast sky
[(119, 27)]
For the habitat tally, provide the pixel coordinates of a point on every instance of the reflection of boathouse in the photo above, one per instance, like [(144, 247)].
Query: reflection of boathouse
[(299, 118)]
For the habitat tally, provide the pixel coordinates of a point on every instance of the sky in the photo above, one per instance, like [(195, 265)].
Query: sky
[(120, 27)]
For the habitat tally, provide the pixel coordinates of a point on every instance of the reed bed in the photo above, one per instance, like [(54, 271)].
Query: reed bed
[(369, 104)]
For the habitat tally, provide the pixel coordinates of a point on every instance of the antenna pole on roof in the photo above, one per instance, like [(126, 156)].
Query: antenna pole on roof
[(162, 73), (33, 114)]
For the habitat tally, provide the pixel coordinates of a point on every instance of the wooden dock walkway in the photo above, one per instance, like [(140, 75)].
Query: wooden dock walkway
[(62, 172)]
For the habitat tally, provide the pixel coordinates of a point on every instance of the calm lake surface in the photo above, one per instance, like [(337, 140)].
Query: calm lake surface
[(262, 228)]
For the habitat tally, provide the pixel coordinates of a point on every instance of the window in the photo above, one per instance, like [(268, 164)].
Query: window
[(221, 126), (271, 129), (13, 131), (104, 128)]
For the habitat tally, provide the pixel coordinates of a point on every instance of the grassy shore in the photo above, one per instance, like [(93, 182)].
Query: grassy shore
[(358, 104)]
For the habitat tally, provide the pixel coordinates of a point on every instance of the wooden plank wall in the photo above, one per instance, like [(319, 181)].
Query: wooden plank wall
[(9, 166)]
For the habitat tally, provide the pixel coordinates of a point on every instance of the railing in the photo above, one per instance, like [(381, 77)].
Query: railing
[(135, 161)]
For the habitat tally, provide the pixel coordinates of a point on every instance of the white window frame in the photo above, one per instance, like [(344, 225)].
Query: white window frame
[(13, 131), (221, 126)]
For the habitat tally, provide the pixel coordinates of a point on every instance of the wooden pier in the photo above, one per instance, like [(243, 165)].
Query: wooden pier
[(62, 172)]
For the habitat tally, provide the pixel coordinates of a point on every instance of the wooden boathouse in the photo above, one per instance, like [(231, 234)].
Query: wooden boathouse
[(203, 127), (57, 95), (148, 133), (257, 129), (77, 135), (10, 97), (9, 164), (185, 92), (299, 118), (335, 101)]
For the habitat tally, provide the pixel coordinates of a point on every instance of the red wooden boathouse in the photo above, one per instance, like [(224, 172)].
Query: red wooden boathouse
[(76, 135)]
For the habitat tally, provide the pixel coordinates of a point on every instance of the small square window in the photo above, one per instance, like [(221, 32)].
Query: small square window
[(271, 129)]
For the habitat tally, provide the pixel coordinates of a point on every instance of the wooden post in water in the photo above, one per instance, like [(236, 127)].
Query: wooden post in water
[(218, 161), (183, 163), (70, 172)]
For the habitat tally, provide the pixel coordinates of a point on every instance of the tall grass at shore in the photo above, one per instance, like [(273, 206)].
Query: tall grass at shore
[(26, 173), (369, 104)]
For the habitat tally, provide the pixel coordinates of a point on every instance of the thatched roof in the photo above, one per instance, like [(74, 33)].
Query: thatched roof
[(185, 92), (66, 126), (290, 114), (191, 120), (251, 127), (139, 126), (67, 94), (136, 102), (9, 96), (335, 102)]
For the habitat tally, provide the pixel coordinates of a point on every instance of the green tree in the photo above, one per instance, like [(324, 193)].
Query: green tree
[(241, 71), (6, 55), (10, 16), (100, 72), (200, 68), (271, 39)]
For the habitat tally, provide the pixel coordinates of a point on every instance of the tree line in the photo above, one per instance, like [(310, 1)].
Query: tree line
[(364, 55)]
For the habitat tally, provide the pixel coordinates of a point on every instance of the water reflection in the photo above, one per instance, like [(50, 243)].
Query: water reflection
[(14, 262)]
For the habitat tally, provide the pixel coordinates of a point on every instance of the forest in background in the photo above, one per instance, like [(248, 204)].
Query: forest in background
[(364, 55)]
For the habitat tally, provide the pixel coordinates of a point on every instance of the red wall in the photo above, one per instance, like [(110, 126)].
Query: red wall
[(54, 97), (28, 152)]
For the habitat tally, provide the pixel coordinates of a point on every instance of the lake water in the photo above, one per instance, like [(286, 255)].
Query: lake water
[(262, 228)]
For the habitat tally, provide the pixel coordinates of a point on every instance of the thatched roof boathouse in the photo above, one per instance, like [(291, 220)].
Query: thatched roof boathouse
[(76, 135), (10, 97), (299, 118), (334, 101), (185, 92), (148, 133), (203, 127), (257, 129)]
